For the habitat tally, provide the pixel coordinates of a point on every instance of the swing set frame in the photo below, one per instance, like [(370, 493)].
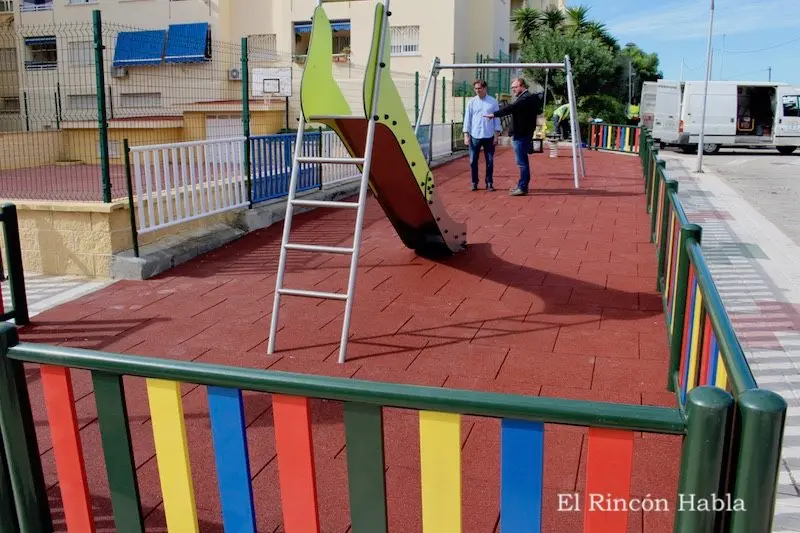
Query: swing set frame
[(578, 163)]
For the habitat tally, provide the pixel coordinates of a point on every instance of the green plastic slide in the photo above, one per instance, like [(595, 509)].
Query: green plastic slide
[(400, 177)]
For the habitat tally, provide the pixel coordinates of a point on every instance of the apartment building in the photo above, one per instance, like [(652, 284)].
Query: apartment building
[(167, 57)]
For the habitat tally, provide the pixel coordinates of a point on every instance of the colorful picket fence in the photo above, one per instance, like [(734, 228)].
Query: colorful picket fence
[(704, 349), (614, 137), (523, 454)]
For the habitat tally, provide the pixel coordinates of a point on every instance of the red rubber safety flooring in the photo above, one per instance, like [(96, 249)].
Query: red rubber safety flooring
[(555, 296)]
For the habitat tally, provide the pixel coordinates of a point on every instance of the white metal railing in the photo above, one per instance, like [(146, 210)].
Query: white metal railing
[(405, 40), (6, 6), (179, 182), (31, 6), (332, 146)]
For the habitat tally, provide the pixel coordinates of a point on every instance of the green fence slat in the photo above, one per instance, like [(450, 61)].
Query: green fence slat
[(363, 425), (19, 439), (112, 414), (8, 514)]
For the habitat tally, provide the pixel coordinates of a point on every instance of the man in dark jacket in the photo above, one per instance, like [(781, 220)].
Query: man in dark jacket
[(523, 110)]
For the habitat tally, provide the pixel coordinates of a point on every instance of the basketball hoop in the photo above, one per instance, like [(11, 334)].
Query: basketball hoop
[(271, 83)]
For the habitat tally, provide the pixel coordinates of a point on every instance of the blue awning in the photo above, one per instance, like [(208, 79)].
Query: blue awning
[(188, 43), (47, 39), (136, 48), (305, 27)]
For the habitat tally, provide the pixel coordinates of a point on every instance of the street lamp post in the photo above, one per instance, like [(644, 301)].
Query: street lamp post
[(701, 141)]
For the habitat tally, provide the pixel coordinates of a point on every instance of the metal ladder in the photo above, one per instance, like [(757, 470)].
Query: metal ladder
[(360, 206)]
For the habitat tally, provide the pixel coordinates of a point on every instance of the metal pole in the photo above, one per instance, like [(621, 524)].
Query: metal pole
[(630, 81), (487, 66), (762, 418), (16, 270), (416, 96), (362, 195), (129, 185), (708, 413), (573, 117), (433, 117), (246, 117), (425, 96), (102, 123), (701, 141)]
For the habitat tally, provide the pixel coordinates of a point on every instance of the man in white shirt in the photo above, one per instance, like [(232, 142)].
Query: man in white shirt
[(481, 132)]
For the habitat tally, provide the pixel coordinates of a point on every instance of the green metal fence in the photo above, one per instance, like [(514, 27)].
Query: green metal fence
[(704, 349), (12, 264)]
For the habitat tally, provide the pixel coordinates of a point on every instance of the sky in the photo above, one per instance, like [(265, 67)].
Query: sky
[(758, 34)]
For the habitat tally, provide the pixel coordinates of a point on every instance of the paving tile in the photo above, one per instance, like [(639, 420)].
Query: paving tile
[(554, 297)]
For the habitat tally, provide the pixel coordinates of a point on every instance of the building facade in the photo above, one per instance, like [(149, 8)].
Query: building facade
[(167, 58)]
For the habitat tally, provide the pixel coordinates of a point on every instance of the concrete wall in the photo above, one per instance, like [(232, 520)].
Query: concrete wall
[(49, 149), (62, 238)]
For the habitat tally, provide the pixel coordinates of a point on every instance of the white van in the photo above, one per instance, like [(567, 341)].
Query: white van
[(741, 114), (661, 109)]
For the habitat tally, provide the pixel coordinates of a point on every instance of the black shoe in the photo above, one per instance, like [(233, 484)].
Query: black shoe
[(490, 188), (474, 187)]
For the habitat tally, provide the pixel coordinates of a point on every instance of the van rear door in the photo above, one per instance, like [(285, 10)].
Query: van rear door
[(668, 111), (648, 104), (788, 115)]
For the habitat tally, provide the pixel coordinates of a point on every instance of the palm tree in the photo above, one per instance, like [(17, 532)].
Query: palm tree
[(577, 20), (598, 30), (527, 23), (553, 18)]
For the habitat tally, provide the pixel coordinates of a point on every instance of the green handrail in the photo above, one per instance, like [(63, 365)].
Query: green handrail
[(732, 354), (554, 410)]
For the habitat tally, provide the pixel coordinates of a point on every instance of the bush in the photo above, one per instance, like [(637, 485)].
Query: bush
[(604, 107)]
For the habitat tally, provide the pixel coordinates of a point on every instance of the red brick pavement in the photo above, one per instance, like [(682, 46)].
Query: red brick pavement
[(554, 297)]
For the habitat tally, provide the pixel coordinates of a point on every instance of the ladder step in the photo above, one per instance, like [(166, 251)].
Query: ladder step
[(319, 248), (332, 160), (325, 203), (314, 294)]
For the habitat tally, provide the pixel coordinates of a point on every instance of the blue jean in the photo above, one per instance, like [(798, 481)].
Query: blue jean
[(475, 146), (521, 148)]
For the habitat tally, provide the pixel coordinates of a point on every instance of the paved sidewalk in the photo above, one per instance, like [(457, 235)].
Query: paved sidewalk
[(756, 269), (45, 292), (555, 296)]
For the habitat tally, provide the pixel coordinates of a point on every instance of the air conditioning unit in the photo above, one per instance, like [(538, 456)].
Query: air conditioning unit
[(235, 74), (119, 72)]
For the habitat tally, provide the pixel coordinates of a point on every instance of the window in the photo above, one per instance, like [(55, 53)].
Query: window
[(791, 105), (81, 102), (140, 100), (341, 37), (79, 2), (40, 53), (405, 40), (262, 46), (8, 59), (9, 104), (81, 53), (37, 5)]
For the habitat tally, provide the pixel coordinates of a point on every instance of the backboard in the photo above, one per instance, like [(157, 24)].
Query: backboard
[(275, 81)]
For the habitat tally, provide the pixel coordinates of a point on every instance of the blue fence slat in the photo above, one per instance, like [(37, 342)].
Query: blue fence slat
[(271, 165)]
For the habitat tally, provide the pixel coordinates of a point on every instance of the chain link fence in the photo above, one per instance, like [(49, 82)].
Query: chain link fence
[(155, 87)]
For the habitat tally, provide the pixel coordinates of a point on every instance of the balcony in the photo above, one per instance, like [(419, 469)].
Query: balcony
[(6, 6), (36, 5)]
